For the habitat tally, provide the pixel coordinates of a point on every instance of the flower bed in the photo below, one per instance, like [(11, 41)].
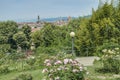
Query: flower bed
[(63, 69)]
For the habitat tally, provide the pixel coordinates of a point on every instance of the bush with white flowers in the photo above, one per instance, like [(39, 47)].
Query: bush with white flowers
[(111, 59), (63, 69)]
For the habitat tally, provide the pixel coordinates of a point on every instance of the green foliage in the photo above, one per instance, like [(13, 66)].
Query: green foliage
[(40, 60), (105, 45), (36, 38), (31, 60), (21, 40), (109, 54), (4, 69), (27, 31), (102, 26), (47, 50), (3, 39), (15, 56), (7, 30), (111, 65), (50, 35), (51, 38), (82, 39), (4, 48), (2, 55), (75, 23)]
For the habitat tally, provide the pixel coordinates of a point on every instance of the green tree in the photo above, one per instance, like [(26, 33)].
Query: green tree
[(4, 48), (36, 38), (7, 30), (99, 29), (21, 40), (27, 31)]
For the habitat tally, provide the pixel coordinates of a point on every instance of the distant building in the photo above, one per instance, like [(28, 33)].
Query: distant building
[(62, 22), (35, 29), (31, 24), (38, 19), (39, 24)]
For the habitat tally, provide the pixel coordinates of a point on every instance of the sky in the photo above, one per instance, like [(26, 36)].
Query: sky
[(30, 9)]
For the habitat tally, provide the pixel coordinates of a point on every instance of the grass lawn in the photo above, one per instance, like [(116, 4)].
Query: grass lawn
[(94, 75), (37, 75)]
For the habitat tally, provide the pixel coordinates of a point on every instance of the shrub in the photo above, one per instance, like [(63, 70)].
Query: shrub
[(40, 60), (47, 50), (2, 55), (2, 61), (105, 46), (16, 56), (112, 65), (31, 60), (110, 59), (63, 69), (4, 69), (24, 76)]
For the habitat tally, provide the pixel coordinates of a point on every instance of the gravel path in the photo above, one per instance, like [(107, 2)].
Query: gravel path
[(86, 61)]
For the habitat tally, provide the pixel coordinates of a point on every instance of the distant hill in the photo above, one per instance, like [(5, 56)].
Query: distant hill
[(50, 19), (55, 19), (45, 19)]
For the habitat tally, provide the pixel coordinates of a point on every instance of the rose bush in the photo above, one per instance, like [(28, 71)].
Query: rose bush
[(63, 69)]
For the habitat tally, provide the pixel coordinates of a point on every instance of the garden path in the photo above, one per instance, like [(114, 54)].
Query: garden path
[(87, 61)]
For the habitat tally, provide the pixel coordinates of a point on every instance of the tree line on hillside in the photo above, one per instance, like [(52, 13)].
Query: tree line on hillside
[(102, 27)]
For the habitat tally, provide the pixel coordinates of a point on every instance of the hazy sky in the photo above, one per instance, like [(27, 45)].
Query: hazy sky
[(30, 9)]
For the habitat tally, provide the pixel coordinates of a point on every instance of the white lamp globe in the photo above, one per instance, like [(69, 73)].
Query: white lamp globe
[(72, 34)]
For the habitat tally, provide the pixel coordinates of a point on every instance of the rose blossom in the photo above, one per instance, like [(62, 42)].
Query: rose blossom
[(57, 78), (46, 61), (58, 62), (75, 70), (104, 50), (81, 68), (48, 64), (59, 69), (87, 73), (66, 61), (44, 70)]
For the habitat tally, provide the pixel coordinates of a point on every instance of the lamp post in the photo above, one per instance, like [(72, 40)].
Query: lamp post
[(72, 34)]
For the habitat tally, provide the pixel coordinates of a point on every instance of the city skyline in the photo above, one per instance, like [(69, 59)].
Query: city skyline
[(30, 9)]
